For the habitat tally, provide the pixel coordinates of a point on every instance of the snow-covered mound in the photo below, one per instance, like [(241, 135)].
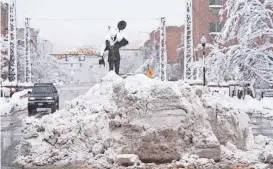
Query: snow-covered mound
[(260, 149), (158, 121), (250, 105), (15, 103)]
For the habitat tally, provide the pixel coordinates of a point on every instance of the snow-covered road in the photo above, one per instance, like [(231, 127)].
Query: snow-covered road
[(11, 126), (263, 126)]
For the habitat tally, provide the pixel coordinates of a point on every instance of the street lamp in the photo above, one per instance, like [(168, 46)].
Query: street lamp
[(203, 42)]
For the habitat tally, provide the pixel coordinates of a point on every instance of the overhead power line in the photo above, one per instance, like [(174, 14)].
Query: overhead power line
[(91, 19)]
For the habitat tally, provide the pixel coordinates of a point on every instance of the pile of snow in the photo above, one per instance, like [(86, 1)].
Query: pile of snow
[(15, 103), (260, 151), (249, 105), (5, 107), (158, 121)]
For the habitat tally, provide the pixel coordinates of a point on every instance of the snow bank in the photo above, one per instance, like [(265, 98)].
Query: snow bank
[(15, 103), (158, 121), (260, 151), (5, 107), (250, 105)]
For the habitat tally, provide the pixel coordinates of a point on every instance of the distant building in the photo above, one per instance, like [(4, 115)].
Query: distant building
[(206, 20), (173, 41), (4, 19)]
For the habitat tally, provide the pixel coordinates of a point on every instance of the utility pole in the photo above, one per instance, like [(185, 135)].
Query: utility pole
[(1, 43), (12, 41), (203, 42), (163, 52), (188, 43), (27, 52)]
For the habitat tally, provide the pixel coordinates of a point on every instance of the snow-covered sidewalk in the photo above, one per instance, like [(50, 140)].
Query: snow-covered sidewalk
[(15, 103), (160, 122)]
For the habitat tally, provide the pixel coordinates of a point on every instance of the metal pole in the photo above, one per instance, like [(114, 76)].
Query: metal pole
[(204, 69), (1, 43), (27, 52), (12, 46), (188, 42), (163, 52)]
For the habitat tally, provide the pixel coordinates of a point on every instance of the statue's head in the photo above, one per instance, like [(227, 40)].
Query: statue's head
[(113, 30)]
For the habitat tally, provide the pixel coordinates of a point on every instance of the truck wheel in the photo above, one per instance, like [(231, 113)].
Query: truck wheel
[(53, 108), (58, 105), (31, 112)]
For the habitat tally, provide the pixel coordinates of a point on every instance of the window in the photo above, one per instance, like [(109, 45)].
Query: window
[(216, 27), (215, 11), (42, 89), (215, 2), (55, 90), (213, 36)]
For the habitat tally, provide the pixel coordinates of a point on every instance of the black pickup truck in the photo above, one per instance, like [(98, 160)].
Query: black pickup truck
[(43, 96)]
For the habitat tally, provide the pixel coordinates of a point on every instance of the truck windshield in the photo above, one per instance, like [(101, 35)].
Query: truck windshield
[(42, 89)]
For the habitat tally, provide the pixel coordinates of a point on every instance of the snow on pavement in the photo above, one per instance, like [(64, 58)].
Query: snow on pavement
[(161, 122), (15, 103)]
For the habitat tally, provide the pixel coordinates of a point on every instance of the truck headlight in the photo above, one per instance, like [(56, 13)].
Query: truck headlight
[(31, 98), (49, 98)]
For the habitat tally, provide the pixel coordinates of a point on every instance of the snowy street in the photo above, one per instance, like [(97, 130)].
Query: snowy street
[(262, 126), (11, 125)]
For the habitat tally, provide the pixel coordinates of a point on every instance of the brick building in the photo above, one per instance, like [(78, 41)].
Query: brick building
[(4, 18), (173, 40), (206, 20)]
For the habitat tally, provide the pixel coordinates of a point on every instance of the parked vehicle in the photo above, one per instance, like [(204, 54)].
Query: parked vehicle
[(43, 96)]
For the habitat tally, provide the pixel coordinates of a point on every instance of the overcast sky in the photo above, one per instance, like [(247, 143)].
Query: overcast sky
[(65, 34)]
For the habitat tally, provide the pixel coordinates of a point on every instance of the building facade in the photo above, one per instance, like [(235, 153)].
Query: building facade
[(206, 21), (4, 19), (173, 41)]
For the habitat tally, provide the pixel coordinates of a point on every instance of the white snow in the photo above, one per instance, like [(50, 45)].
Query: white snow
[(216, 6), (250, 105), (258, 152), (15, 103), (158, 121), (5, 1), (5, 107)]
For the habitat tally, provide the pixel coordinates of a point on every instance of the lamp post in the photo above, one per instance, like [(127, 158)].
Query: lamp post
[(203, 42)]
